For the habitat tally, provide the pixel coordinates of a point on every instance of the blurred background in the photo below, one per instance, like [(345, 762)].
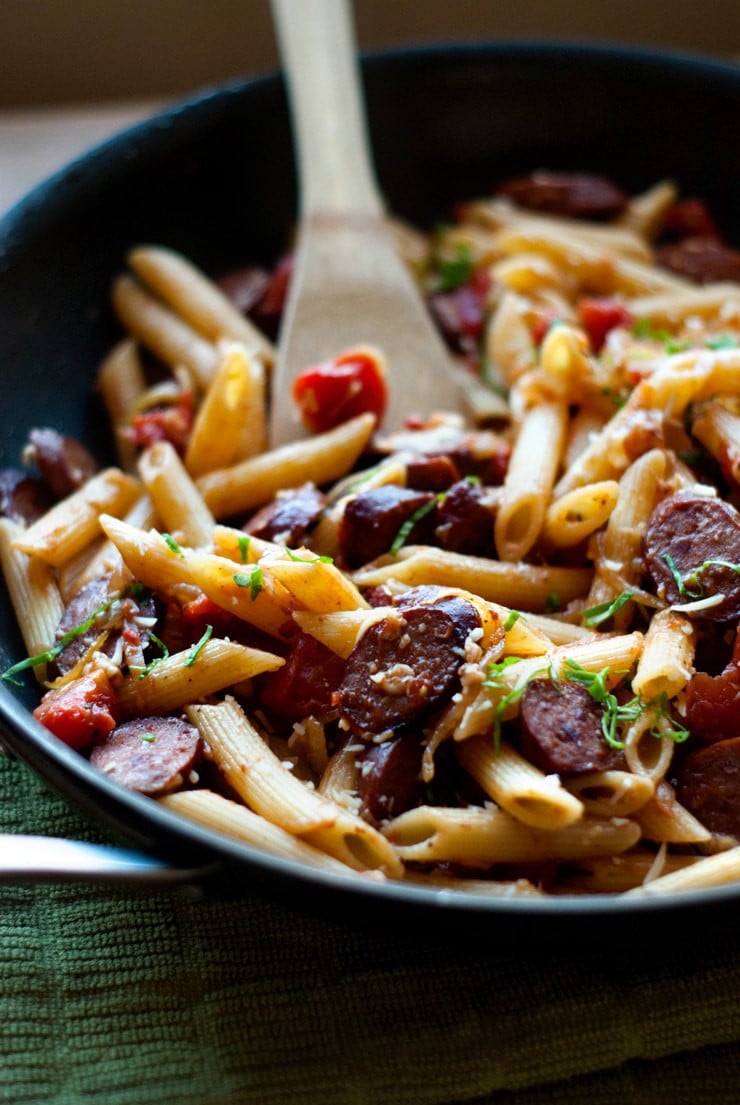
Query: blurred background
[(76, 71), (76, 51)]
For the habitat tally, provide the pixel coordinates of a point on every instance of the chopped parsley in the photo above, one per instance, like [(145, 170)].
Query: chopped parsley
[(243, 543), (157, 659), (51, 653), (552, 603), (512, 619), (149, 737), (421, 512), (254, 581), (595, 684), (689, 584), (595, 615), (198, 646), (172, 545), (722, 341), (308, 559), (454, 271)]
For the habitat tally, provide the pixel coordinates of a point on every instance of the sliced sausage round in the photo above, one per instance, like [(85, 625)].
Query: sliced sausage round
[(464, 523), (389, 779), (576, 195), (151, 755), (561, 729), (708, 785), (289, 517), (687, 533), (89, 602), (373, 519), (703, 259), (64, 463), (403, 665), (23, 498)]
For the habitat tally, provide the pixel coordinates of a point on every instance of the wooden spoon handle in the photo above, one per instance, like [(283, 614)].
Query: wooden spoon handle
[(317, 43)]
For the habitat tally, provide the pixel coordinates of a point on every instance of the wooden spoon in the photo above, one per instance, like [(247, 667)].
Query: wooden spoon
[(349, 287)]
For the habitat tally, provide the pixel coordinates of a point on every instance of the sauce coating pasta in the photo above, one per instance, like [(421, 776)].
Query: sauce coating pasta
[(498, 652)]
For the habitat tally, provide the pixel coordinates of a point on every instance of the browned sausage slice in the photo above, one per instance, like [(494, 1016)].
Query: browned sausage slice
[(64, 463), (703, 259), (151, 755), (690, 533), (577, 195), (708, 785), (373, 519), (23, 498), (561, 729), (389, 779), (403, 665), (91, 601), (288, 518)]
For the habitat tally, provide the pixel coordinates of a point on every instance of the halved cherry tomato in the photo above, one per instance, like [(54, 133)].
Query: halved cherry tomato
[(598, 316), (80, 711), (168, 422), (335, 391)]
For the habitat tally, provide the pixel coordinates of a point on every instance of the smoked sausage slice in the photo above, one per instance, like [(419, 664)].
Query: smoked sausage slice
[(389, 779), (289, 517), (576, 195), (151, 755), (695, 532), (405, 664), (708, 785), (64, 463), (561, 729)]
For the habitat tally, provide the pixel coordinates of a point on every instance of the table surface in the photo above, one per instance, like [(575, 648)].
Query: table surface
[(34, 143)]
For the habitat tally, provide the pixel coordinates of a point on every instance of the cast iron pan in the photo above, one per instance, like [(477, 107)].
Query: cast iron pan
[(214, 178)]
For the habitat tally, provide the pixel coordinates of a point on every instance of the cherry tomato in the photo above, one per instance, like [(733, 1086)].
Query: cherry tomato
[(169, 422), (330, 393), (79, 712), (599, 316)]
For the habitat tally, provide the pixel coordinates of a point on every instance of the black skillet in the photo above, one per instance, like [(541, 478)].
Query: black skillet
[(214, 178)]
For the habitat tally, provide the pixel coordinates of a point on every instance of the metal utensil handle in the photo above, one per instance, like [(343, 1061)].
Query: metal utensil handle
[(52, 859)]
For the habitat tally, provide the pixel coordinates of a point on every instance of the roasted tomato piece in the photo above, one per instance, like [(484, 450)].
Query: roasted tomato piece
[(267, 312), (169, 422), (304, 686), (599, 316), (80, 712), (330, 393)]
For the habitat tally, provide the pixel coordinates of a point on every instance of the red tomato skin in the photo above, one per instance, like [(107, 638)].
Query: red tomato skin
[(80, 712), (598, 316), (334, 391)]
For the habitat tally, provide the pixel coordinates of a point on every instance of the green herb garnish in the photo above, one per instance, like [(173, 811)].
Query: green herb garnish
[(595, 615), (454, 271), (426, 508), (157, 659), (198, 646), (254, 581), (722, 341), (52, 653), (243, 543), (595, 684), (512, 619), (149, 737), (689, 584), (172, 545), (308, 559), (552, 603)]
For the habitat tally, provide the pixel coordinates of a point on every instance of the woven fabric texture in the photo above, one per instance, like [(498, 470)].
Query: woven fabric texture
[(109, 997)]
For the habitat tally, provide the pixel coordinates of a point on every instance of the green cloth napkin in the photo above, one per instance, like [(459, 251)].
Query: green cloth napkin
[(111, 997)]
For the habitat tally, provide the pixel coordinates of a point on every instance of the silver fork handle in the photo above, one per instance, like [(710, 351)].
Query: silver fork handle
[(52, 859)]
